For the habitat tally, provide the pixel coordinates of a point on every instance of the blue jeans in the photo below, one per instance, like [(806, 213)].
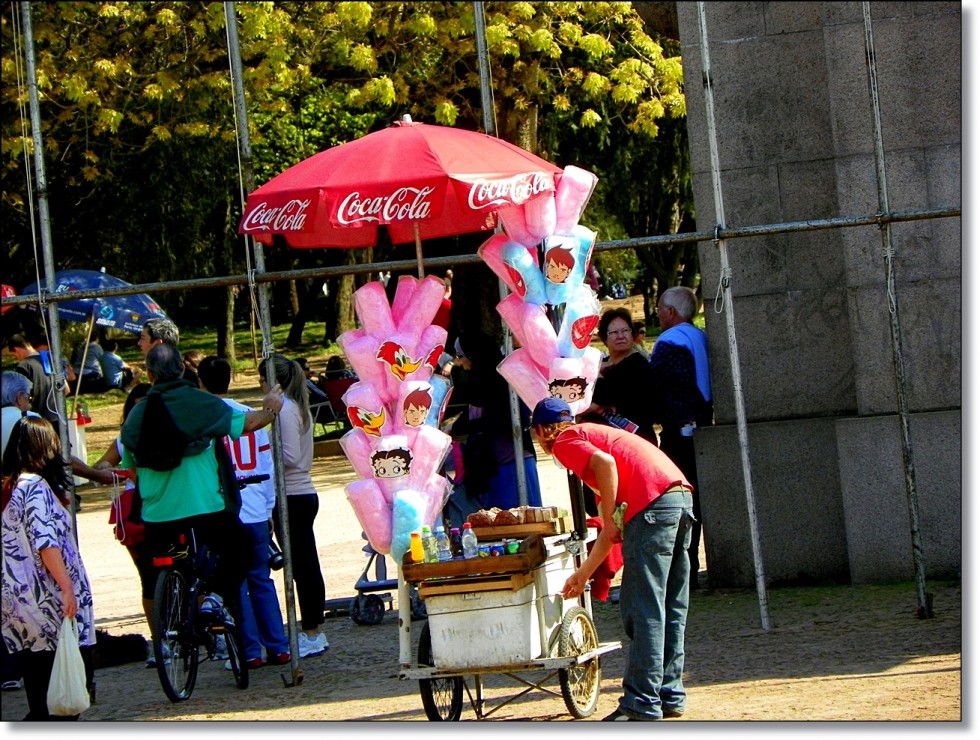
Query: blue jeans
[(261, 616), (653, 605)]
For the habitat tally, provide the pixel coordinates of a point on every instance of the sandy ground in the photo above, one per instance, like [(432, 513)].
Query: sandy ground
[(845, 653)]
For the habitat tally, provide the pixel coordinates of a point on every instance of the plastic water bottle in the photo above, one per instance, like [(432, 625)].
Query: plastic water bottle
[(429, 548), (443, 549), (415, 547), (471, 547), (456, 542)]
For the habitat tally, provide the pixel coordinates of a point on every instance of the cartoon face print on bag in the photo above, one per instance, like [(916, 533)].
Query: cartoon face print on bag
[(568, 390), (391, 463), (416, 407), (558, 264)]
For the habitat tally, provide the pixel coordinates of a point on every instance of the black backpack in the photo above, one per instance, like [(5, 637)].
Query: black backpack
[(161, 444)]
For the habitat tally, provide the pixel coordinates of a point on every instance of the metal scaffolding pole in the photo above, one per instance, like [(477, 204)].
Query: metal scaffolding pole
[(53, 325), (726, 287), (924, 610), (245, 151)]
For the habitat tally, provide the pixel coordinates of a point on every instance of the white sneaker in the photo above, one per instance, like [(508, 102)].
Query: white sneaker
[(312, 646), (151, 662), (220, 648)]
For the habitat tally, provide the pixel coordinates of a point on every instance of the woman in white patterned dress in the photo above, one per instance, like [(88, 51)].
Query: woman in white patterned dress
[(44, 579)]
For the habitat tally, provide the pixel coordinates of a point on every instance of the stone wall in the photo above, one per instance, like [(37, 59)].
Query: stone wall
[(794, 126)]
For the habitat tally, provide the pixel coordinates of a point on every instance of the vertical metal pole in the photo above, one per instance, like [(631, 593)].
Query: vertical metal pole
[(925, 607), (54, 327), (486, 99), (245, 149), (743, 434)]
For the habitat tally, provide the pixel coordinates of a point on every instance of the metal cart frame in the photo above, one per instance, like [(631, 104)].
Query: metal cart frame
[(569, 645)]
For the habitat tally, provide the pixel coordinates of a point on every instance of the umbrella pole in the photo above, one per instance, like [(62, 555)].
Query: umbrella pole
[(81, 367), (418, 249)]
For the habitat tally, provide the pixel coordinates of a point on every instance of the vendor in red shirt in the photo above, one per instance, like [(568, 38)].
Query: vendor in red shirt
[(645, 501)]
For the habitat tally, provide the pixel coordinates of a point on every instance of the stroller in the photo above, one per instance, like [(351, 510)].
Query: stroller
[(369, 606)]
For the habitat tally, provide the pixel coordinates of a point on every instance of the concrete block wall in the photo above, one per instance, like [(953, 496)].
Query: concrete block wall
[(794, 127)]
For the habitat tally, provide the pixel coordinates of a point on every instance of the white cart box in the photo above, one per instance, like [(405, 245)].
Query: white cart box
[(484, 628)]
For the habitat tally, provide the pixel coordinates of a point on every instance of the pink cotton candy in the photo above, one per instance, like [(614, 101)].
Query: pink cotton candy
[(540, 216), (579, 322), (373, 513), (540, 339), (361, 351), (524, 376), (358, 448), (511, 310), (492, 254), (372, 309), (571, 197), (404, 290), (515, 224), (436, 494), (422, 308), (430, 346), (429, 450)]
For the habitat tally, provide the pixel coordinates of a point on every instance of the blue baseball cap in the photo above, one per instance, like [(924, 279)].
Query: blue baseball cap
[(551, 411)]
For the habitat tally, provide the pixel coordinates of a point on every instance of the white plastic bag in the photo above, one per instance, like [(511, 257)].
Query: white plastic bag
[(67, 692)]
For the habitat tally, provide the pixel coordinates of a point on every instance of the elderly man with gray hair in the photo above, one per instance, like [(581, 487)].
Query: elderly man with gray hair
[(174, 440), (681, 386)]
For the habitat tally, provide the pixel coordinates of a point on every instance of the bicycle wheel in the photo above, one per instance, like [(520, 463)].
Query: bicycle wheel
[(442, 698), (174, 645), (579, 684), (239, 667)]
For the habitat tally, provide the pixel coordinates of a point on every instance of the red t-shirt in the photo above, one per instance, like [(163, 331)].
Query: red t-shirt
[(644, 471)]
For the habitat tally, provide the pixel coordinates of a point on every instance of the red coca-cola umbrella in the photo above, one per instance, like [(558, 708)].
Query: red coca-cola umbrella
[(418, 180)]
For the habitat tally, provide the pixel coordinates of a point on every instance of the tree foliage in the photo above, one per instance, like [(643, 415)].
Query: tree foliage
[(139, 131)]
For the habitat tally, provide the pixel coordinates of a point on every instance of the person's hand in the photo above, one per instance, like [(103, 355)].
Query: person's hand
[(105, 476), (574, 586), (69, 606), (272, 401)]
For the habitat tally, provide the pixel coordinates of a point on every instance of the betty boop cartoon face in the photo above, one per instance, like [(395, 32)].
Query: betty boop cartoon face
[(391, 463), (568, 390)]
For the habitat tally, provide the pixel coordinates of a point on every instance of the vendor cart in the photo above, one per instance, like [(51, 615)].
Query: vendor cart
[(505, 615)]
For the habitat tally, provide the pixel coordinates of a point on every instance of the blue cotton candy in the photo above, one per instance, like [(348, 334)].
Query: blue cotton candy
[(407, 516)]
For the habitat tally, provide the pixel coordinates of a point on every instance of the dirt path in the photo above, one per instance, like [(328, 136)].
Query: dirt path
[(845, 653)]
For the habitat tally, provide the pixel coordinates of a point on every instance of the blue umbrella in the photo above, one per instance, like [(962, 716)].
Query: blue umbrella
[(126, 312)]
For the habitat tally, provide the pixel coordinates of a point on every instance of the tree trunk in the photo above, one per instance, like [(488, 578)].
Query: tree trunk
[(226, 329)]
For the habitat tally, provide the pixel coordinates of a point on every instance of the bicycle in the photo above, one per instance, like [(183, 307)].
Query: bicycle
[(179, 629)]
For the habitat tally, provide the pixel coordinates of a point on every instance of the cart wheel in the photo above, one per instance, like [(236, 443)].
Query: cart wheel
[(368, 609), (579, 684), (418, 606), (442, 698)]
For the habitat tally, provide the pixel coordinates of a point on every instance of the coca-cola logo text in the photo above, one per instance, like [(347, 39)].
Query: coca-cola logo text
[(404, 204), (512, 191), (289, 217)]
